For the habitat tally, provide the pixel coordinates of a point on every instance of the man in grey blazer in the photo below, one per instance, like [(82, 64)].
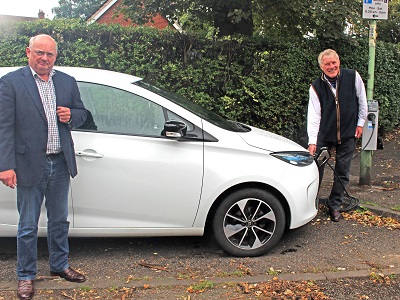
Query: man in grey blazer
[(38, 108)]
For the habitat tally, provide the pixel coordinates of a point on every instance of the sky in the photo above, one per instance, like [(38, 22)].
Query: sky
[(27, 8)]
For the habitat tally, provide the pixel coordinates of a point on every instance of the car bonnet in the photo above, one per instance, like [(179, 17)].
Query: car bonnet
[(269, 141)]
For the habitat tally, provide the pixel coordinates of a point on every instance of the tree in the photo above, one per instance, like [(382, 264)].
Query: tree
[(284, 18), (328, 20), (297, 18), (227, 16), (325, 19), (71, 9), (337, 19), (389, 30)]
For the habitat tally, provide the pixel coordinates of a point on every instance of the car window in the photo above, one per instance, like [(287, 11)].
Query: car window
[(117, 111), (203, 113)]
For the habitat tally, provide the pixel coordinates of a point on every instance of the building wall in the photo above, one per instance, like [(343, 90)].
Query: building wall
[(107, 18)]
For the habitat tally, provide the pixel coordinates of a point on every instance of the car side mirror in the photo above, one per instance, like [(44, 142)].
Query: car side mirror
[(175, 129), (323, 156)]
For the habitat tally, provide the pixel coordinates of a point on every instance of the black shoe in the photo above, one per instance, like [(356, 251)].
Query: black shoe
[(335, 215), (70, 274)]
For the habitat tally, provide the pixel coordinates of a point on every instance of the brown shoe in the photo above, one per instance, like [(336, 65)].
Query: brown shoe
[(70, 274), (25, 289), (335, 215)]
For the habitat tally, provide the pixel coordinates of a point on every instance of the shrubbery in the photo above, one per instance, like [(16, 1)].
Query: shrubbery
[(258, 81)]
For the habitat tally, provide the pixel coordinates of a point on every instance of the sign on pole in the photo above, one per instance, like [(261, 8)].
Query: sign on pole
[(375, 9)]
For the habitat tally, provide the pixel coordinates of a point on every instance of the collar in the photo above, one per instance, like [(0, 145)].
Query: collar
[(324, 77), (51, 73)]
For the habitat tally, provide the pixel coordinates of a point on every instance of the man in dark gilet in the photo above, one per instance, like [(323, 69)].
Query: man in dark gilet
[(336, 114)]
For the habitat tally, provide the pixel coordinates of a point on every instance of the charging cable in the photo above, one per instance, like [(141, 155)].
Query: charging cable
[(349, 202)]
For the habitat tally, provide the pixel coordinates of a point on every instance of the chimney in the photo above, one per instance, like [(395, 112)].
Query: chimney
[(41, 14)]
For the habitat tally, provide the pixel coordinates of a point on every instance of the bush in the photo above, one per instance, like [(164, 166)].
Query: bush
[(258, 81)]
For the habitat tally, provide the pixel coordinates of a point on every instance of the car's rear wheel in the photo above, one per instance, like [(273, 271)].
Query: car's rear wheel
[(249, 222)]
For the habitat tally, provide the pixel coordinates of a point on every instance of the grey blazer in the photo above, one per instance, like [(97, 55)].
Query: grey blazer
[(23, 124)]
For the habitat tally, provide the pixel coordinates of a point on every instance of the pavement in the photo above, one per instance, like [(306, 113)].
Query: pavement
[(50, 283)]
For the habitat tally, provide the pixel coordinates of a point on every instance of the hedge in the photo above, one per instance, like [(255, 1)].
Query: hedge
[(258, 81)]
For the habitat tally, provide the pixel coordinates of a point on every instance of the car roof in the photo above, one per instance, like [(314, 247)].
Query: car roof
[(86, 74)]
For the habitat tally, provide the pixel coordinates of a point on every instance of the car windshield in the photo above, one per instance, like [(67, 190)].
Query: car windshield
[(195, 108)]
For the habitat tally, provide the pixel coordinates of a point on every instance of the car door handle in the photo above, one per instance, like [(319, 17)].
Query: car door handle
[(90, 153)]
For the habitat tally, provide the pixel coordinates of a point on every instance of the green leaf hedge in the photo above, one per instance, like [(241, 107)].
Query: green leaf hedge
[(258, 81)]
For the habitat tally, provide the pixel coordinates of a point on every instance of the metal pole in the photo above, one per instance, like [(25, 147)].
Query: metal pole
[(366, 155)]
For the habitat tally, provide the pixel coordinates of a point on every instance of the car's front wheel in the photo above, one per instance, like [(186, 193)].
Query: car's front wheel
[(249, 222)]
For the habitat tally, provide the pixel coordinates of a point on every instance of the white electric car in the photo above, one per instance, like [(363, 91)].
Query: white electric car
[(153, 164)]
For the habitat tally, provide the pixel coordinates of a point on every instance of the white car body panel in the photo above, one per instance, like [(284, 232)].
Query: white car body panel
[(239, 162), (144, 171)]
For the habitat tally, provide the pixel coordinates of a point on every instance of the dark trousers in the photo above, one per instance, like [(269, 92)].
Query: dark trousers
[(344, 156)]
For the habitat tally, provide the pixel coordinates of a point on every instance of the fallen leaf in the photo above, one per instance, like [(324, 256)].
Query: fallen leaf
[(154, 267), (245, 287)]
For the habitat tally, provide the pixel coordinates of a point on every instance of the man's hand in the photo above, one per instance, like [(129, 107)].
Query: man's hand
[(312, 148), (9, 178), (64, 114), (359, 131)]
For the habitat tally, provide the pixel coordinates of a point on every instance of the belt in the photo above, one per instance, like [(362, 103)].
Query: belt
[(54, 154)]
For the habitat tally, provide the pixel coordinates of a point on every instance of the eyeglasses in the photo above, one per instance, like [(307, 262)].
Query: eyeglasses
[(42, 53)]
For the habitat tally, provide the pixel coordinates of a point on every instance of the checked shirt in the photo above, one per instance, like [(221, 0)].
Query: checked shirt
[(48, 96)]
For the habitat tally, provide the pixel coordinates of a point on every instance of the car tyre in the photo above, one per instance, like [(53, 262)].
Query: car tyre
[(249, 222)]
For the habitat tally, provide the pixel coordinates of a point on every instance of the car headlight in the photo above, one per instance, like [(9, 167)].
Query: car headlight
[(296, 158)]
